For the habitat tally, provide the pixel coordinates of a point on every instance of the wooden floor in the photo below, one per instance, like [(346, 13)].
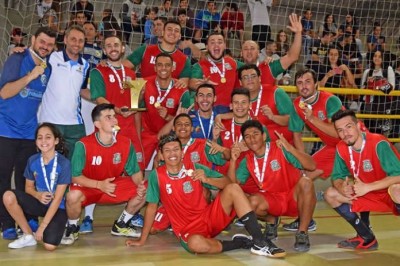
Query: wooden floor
[(100, 248)]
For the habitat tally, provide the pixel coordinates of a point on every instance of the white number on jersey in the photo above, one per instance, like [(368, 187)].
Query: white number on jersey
[(111, 78), (97, 160), (168, 188), (227, 135), (158, 217)]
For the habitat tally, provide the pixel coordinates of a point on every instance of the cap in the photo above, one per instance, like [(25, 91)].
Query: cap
[(18, 31), (201, 46)]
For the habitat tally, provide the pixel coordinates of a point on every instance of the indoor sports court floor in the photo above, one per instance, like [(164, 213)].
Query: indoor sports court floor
[(100, 248)]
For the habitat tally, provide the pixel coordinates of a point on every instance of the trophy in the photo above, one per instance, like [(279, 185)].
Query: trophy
[(136, 88)]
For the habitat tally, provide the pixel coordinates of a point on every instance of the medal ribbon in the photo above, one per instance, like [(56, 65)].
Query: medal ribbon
[(209, 126), (221, 74), (260, 177), (352, 162), (159, 98), (120, 82), (50, 186)]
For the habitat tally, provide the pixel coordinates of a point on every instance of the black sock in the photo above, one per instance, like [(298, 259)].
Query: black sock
[(397, 205), (228, 245), (352, 218), (365, 218), (250, 223)]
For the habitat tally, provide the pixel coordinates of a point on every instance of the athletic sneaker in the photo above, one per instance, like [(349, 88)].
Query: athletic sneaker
[(239, 223), (86, 226), (271, 230), (10, 234), (122, 229), (137, 220), (268, 249), (71, 234), (33, 224), (23, 241), (358, 243), (246, 241), (294, 226), (302, 243)]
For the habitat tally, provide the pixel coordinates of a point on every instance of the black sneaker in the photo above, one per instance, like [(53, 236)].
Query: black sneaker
[(71, 234), (294, 226), (123, 229), (245, 240), (268, 249), (271, 230), (302, 243)]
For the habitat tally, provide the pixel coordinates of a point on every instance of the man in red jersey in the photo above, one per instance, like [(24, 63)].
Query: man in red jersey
[(275, 168), (194, 220), (374, 164), (104, 171), (251, 50), (161, 99), (145, 56), (216, 69)]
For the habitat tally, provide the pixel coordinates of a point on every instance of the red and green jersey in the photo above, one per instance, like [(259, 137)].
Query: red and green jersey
[(145, 56), (281, 172), (270, 71), (223, 90), (377, 160), (198, 152), (98, 161), (280, 104), (151, 120), (324, 106), (182, 196)]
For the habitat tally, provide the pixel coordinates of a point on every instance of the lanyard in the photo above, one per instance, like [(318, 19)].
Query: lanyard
[(50, 186), (221, 74), (120, 82), (43, 61), (258, 102), (233, 132), (182, 173), (260, 177), (187, 146), (159, 98), (209, 126), (352, 162)]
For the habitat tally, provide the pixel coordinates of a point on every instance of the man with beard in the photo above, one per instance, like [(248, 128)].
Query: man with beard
[(216, 69), (251, 50), (374, 163), (145, 56), (22, 84)]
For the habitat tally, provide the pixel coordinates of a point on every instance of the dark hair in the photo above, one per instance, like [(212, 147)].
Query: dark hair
[(61, 147), (182, 11), (251, 123), (343, 113), (113, 33), (205, 85), (215, 33), (240, 91), (327, 16), (326, 32), (171, 137), (183, 115), (248, 67), (91, 22), (164, 55), (99, 108), (339, 61), (234, 6), (46, 30), (162, 18), (172, 21), (304, 71)]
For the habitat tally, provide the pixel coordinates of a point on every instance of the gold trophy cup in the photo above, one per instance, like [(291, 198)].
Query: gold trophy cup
[(136, 88)]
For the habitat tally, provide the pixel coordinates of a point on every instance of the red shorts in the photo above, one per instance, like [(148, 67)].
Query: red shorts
[(281, 203), (125, 190), (210, 223), (377, 202), (161, 221), (324, 158)]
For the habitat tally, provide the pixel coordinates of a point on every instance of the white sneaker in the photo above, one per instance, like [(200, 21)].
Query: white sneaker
[(23, 241)]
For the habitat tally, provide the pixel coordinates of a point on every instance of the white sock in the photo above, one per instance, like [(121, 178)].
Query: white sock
[(73, 221), (89, 210), (125, 216)]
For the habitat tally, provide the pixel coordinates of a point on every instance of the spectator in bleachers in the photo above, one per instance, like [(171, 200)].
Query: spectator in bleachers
[(260, 22), (51, 17), (16, 40), (42, 6), (351, 24), (189, 12), (232, 21), (149, 24), (350, 55), (308, 31), (269, 51), (328, 25), (165, 10), (282, 43), (131, 13), (319, 50), (376, 41), (86, 7), (158, 29), (203, 21)]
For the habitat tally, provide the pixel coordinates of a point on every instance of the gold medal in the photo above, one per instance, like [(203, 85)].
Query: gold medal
[(43, 64), (223, 80), (302, 105), (157, 104)]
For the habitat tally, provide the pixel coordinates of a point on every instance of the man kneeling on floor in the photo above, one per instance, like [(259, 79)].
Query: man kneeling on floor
[(374, 164), (194, 221), (104, 171)]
